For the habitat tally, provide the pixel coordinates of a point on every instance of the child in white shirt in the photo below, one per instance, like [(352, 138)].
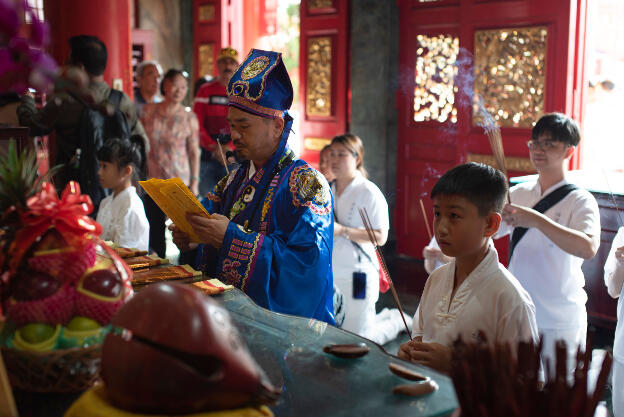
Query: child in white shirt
[(121, 214), (473, 293), (614, 277)]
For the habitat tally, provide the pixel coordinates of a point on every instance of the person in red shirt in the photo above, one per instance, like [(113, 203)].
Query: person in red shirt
[(211, 107)]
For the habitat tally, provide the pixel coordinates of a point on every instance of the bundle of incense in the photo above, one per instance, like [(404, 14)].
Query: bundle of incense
[(165, 273), (424, 214), (212, 286), (496, 143), (382, 264), (145, 261), (129, 252), (490, 380)]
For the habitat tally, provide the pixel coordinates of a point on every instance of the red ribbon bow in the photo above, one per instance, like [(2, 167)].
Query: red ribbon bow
[(69, 215)]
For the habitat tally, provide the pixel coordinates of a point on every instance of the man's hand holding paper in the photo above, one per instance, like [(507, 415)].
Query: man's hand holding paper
[(209, 230)]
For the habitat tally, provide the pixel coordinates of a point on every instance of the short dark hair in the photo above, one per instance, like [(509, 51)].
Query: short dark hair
[(90, 52), (170, 75), (481, 184), (561, 127)]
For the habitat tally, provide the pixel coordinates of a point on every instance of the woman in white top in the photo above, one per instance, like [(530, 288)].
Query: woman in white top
[(121, 214), (614, 277), (355, 264), (433, 256)]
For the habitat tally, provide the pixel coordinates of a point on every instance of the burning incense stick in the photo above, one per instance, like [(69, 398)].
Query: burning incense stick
[(225, 164), (382, 261), (496, 143), (424, 213), (613, 197)]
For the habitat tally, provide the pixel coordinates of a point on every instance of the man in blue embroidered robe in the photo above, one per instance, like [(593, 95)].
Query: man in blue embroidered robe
[(271, 229)]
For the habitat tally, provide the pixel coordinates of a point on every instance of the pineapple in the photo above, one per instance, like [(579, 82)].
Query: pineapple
[(18, 182)]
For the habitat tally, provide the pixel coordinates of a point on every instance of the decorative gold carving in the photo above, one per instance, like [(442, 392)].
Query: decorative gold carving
[(318, 88), (206, 59), (315, 144), (320, 4), (255, 67), (513, 163), (434, 90), (510, 69), (206, 12)]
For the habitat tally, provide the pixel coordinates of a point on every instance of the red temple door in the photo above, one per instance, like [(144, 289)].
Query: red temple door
[(324, 73), (211, 32), (528, 60)]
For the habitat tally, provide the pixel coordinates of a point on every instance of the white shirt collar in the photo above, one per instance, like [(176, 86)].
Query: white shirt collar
[(552, 188), (357, 179), (125, 191), (252, 170)]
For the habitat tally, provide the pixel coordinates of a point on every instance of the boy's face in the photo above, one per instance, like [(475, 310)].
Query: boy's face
[(459, 229), (547, 153)]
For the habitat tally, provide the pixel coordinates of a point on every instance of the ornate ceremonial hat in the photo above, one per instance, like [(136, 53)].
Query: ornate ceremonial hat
[(228, 52), (261, 85)]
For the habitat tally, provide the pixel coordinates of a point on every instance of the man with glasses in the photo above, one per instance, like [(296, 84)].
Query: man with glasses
[(554, 227)]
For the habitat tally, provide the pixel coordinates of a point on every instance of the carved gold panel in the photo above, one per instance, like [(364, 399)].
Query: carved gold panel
[(206, 59), (513, 163), (318, 86), (434, 74), (320, 4), (206, 12), (510, 72), (315, 144)]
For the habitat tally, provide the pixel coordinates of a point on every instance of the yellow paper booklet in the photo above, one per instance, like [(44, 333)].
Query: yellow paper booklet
[(175, 200)]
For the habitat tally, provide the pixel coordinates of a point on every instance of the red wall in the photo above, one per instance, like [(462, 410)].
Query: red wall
[(108, 20)]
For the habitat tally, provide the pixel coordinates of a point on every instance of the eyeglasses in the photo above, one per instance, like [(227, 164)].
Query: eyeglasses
[(545, 145)]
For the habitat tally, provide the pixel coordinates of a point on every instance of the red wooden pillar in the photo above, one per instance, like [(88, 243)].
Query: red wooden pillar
[(324, 71), (108, 20)]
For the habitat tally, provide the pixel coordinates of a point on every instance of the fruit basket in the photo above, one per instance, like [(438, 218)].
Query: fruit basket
[(59, 371), (60, 284)]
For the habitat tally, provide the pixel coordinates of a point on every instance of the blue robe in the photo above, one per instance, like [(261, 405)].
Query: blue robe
[(278, 245)]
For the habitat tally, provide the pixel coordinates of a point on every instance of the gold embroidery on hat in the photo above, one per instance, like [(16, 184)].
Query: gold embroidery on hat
[(245, 84), (255, 67)]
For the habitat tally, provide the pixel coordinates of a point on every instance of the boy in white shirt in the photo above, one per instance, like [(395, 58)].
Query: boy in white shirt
[(614, 277), (553, 237), (473, 292)]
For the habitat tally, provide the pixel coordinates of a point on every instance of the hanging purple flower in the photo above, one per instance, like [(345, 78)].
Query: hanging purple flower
[(39, 33), (23, 63)]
